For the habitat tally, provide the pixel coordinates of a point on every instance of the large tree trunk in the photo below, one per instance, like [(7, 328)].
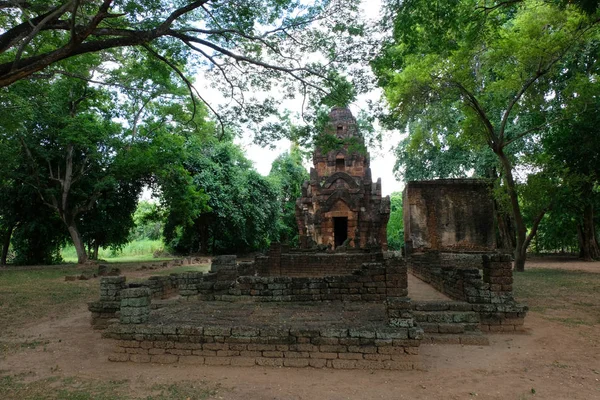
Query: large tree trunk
[(6, 244), (506, 232), (520, 257), (587, 236), (520, 228), (96, 249), (78, 243), (522, 239)]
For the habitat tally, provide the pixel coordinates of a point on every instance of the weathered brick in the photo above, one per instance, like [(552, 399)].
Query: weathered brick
[(248, 353), (296, 354), (391, 350), (215, 346), (368, 364), (304, 347), (362, 349), (319, 354), (243, 361), (227, 353), (134, 350), (269, 362), (262, 347), (208, 353), (317, 362), (325, 340), (344, 364), (350, 356), (377, 357), (296, 362), (333, 349), (272, 354)]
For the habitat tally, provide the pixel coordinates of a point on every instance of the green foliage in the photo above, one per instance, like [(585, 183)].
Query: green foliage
[(86, 165), (148, 222), (395, 227), (38, 238), (284, 46), (478, 88), (288, 174), (134, 250), (239, 205)]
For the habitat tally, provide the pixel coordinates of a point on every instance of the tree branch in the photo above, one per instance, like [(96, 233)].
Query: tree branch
[(474, 104), (535, 226)]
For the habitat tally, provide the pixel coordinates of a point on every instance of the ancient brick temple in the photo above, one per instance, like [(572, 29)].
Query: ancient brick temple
[(341, 205)]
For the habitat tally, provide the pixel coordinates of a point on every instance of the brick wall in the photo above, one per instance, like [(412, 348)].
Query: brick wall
[(373, 282), (360, 348), (488, 286), (282, 262), (449, 214)]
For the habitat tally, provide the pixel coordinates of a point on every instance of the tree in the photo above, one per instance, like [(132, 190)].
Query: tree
[(395, 226), (579, 165), (69, 144), (110, 221), (246, 46), (238, 207), (148, 222), (495, 68), (288, 175)]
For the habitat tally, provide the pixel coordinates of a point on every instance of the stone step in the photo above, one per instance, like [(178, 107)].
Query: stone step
[(441, 306), (467, 339), (448, 322), (446, 317)]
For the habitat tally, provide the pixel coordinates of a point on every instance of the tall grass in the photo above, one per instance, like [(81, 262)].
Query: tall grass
[(137, 250)]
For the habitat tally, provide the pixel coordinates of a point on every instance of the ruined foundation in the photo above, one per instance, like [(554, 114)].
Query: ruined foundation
[(339, 301), (360, 320)]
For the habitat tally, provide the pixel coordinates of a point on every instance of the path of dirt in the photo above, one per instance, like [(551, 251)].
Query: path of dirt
[(558, 362)]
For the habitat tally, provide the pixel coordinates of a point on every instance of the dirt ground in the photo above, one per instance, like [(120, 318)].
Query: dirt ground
[(550, 361)]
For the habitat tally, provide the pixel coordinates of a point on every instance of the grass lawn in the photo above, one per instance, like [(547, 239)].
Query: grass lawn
[(30, 294), (136, 251), (570, 297)]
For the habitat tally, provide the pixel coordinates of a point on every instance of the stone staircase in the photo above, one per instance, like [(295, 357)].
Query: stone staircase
[(448, 322)]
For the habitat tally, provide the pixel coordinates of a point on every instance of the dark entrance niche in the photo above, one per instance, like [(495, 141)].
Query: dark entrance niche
[(340, 165), (340, 229)]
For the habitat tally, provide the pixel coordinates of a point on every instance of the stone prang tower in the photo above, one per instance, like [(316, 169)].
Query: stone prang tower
[(341, 205)]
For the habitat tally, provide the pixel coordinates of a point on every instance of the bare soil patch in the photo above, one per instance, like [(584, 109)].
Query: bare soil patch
[(554, 359)]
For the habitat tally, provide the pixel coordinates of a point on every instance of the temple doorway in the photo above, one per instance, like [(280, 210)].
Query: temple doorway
[(340, 230)]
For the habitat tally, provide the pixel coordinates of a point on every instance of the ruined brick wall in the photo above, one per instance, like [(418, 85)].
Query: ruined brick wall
[(449, 214), (374, 282), (306, 264), (448, 274), (359, 348), (488, 286)]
